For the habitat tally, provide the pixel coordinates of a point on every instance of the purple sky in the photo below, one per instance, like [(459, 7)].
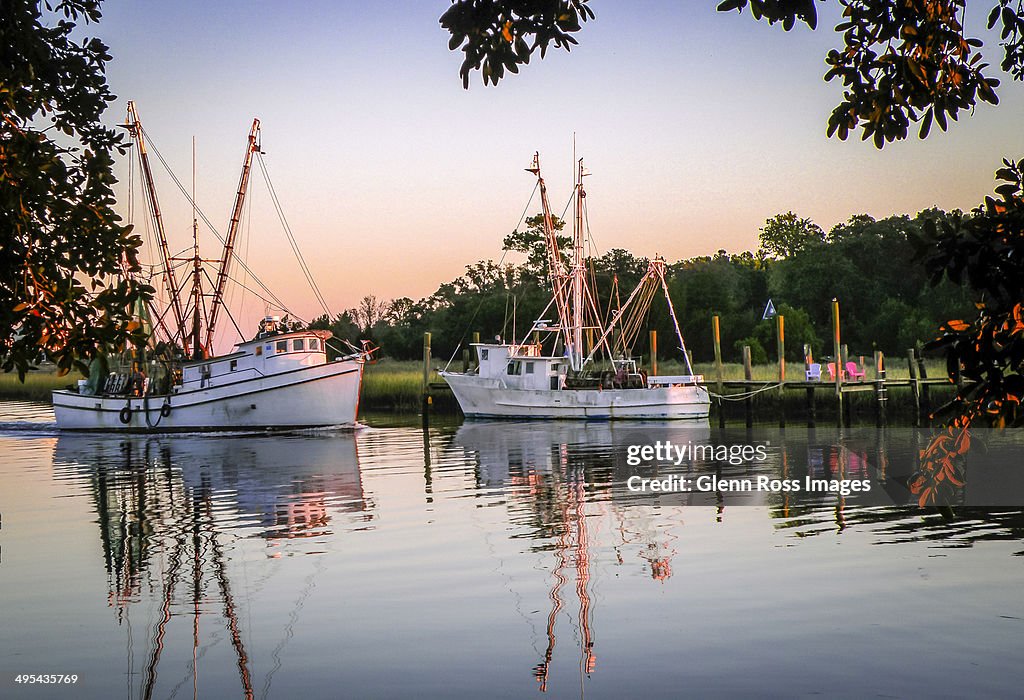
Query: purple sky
[(697, 126)]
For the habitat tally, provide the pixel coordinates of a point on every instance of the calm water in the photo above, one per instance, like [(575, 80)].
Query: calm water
[(492, 560)]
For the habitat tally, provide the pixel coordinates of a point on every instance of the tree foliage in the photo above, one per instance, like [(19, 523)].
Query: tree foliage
[(500, 35), (63, 252), (902, 61)]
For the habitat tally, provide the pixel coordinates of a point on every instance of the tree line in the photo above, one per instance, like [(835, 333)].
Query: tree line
[(886, 297)]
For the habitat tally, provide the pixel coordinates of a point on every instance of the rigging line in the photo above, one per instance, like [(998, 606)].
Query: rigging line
[(480, 304), (202, 215), (291, 236), (269, 302), (206, 274), (291, 239)]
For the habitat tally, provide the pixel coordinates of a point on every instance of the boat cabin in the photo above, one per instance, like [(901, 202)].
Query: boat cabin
[(262, 356), (521, 366)]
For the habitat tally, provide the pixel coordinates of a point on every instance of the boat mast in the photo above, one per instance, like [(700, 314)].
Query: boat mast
[(252, 147), (578, 273), (134, 126), (556, 267), (198, 351)]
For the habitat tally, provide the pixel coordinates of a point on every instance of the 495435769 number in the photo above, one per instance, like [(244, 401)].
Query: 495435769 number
[(46, 678)]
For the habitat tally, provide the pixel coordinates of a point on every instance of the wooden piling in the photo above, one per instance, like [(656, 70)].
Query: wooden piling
[(465, 360), (717, 333), (748, 374), (474, 354), (925, 392), (426, 374), (654, 353), (780, 337), (808, 360), (915, 386), (880, 392), (837, 355)]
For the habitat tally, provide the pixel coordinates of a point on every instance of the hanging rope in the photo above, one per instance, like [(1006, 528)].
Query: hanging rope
[(291, 238), (744, 395)]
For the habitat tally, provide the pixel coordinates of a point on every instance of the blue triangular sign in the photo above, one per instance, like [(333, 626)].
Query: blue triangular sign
[(769, 311)]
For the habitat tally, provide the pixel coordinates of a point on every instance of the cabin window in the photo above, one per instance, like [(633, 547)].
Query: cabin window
[(234, 365), (529, 368), (483, 355), (514, 368), (553, 368), (314, 344), (298, 344), (259, 350), (282, 346)]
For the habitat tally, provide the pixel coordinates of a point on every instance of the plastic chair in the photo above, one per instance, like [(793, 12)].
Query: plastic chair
[(832, 372), (855, 373), (814, 372)]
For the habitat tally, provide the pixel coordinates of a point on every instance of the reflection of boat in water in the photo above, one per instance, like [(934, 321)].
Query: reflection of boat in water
[(507, 450), (172, 510), (285, 483)]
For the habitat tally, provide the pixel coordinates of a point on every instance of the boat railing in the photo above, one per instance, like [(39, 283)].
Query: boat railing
[(675, 380)]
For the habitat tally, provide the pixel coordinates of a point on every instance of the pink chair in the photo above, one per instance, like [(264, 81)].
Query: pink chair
[(855, 374)]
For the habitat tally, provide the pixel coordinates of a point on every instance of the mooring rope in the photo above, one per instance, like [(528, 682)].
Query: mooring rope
[(745, 394)]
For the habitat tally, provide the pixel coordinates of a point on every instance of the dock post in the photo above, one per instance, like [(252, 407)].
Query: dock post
[(838, 355), (476, 341), (808, 359), (925, 392), (654, 353), (780, 337), (915, 386), (717, 332), (880, 392), (465, 360), (426, 375), (748, 374)]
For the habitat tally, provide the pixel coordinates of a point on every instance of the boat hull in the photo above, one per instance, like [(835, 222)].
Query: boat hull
[(315, 396), (481, 397)]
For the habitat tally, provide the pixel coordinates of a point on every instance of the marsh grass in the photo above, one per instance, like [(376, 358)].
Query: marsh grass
[(37, 386)]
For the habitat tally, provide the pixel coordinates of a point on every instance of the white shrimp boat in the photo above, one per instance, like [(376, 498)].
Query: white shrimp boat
[(518, 380), (280, 379)]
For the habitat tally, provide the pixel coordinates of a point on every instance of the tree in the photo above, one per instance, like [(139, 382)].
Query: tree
[(786, 234), (369, 311), (65, 260), (531, 241), (986, 250)]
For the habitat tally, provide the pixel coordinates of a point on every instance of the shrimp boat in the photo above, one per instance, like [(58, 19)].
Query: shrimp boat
[(597, 380), (279, 379)]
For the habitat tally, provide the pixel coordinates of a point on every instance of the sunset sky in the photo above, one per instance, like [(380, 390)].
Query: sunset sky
[(696, 125)]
